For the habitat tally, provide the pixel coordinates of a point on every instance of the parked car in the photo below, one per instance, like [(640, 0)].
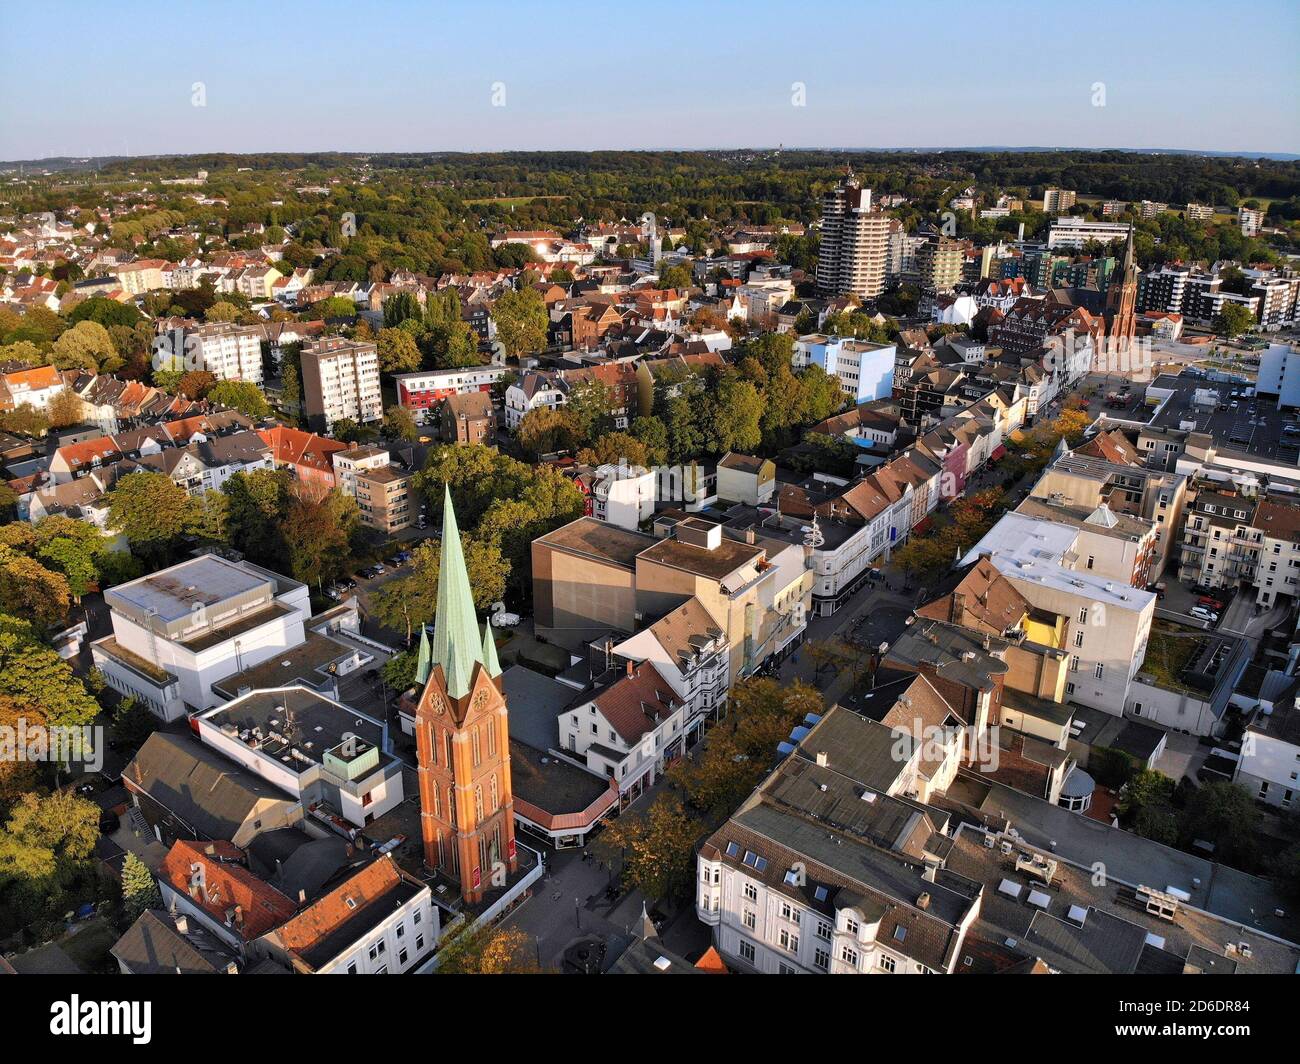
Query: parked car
[(1201, 613)]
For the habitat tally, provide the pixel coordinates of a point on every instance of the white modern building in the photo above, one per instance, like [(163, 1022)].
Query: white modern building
[(228, 352), (1076, 232), (178, 631), (865, 370), (1110, 624), (623, 495), (319, 751)]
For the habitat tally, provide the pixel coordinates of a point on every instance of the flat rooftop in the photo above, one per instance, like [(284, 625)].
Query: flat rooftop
[(1023, 536), (1109, 523), (210, 637), (1233, 896), (1076, 925), (722, 560), (552, 785), (172, 594), (309, 663), (297, 725), (535, 701), (596, 539), (1073, 581), (1254, 428)]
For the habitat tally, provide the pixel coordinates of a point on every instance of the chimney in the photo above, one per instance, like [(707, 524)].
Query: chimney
[(302, 895), (181, 923), (821, 758), (958, 609), (923, 902), (629, 669), (232, 968)]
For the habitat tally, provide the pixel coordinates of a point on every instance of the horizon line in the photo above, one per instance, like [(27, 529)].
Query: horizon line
[(1275, 155)]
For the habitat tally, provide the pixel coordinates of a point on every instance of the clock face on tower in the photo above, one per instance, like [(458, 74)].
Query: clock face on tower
[(480, 700)]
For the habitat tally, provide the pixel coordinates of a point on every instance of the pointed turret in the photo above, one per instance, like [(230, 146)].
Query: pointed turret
[(490, 664), (424, 659), (456, 645)]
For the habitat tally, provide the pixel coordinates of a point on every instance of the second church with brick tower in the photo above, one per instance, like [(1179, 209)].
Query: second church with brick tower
[(462, 737)]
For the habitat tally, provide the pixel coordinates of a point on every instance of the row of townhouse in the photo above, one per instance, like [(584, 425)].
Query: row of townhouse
[(868, 519)]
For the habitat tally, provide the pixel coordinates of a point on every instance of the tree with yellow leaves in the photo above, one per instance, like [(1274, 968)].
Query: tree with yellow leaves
[(489, 950)]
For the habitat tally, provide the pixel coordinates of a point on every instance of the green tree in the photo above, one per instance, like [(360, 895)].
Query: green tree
[(547, 430), (28, 589), (521, 321), (486, 949), (656, 847), (33, 674), (590, 408), (615, 447), (244, 396), (222, 311), (139, 888), (1233, 320), (738, 751), (256, 506), (399, 424), (398, 351), (152, 511), (1223, 814), (86, 345), (45, 835), (406, 603), (133, 723), (317, 534)]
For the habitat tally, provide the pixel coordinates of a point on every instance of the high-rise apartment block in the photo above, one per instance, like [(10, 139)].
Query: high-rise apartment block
[(854, 243), (340, 379)]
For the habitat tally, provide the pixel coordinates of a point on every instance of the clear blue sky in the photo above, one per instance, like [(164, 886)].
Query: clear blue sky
[(385, 75)]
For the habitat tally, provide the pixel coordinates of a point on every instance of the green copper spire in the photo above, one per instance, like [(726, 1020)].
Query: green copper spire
[(456, 645), (423, 660), (490, 663)]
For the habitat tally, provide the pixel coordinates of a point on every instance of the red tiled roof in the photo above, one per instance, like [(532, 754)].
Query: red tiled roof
[(229, 892), (327, 914), (298, 448), (632, 703)]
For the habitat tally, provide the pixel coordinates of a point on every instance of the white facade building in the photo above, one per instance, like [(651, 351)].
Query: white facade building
[(180, 630)]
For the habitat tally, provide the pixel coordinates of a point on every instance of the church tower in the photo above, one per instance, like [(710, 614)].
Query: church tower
[(462, 739), (1121, 305)]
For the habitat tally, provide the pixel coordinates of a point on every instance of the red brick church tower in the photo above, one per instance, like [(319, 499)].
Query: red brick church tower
[(1121, 306), (462, 739)]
